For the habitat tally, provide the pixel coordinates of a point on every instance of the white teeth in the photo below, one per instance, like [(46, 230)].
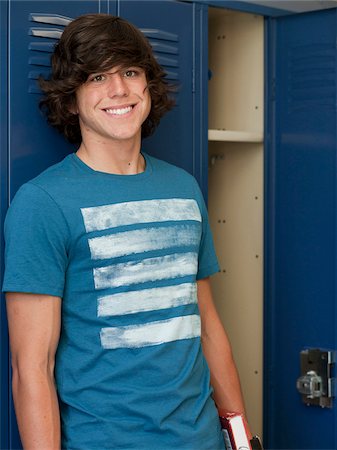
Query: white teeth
[(119, 111)]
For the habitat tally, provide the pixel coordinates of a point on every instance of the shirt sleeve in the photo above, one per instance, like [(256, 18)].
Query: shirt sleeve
[(36, 243), (208, 262)]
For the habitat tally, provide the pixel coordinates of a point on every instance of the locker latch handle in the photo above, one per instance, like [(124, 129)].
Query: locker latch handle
[(310, 385), (316, 383)]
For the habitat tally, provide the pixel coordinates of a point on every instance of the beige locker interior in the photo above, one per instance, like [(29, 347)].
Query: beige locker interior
[(236, 102)]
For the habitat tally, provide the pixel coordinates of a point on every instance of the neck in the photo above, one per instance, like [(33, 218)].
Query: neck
[(120, 159)]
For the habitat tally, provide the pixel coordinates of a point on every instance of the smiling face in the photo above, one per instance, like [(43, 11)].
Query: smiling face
[(113, 105)]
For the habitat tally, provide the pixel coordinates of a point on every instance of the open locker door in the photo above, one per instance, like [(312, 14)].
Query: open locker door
[(300, 288)]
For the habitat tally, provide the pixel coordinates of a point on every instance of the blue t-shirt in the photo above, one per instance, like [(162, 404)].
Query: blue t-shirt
[(124, 254)]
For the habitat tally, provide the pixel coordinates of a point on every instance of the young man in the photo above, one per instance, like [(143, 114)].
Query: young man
[(108, 255)]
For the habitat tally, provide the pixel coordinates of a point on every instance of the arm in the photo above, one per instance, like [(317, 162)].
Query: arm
[(34, 329), (218, 353)]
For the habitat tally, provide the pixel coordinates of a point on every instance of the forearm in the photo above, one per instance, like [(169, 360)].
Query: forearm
[(218, 353), (37, 410), (224, 376)]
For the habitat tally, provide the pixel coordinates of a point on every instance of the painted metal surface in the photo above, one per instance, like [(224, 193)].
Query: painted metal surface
[(300, 270), (270, 8), (29, 145)]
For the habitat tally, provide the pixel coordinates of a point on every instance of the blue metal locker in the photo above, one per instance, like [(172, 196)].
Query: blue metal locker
[(300, 219), (300, 172), (300, 270), (29, 29), (30, 145)]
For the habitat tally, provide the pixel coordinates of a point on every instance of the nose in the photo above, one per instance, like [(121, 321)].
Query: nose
[(117, 85)]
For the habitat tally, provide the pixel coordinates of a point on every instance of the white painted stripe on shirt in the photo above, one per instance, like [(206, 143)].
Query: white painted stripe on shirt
[(145, 211), (148, 269), (144, 240), (147, 300), (151, 333)]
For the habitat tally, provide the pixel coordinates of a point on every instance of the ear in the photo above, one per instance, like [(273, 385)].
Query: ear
[(73, 109)]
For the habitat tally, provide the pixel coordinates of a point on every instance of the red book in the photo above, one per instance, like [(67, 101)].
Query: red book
[(235, 433)]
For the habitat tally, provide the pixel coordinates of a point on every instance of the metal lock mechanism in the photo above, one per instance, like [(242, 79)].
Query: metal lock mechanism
[(316, 384)]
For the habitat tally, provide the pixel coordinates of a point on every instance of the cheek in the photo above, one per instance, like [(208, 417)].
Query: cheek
[(86, 99), (148, 102)]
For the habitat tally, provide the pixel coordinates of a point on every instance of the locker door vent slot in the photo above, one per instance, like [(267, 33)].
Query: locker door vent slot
[(42, 45), (165, 46), (312, 75)]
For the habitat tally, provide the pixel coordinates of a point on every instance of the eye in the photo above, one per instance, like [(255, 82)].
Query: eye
[(131, 73), (97, 78)]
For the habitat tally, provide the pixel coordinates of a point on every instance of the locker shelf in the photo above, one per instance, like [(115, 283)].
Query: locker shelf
[(235, 136)]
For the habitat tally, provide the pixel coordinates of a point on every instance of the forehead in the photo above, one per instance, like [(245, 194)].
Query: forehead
[(117, 68)]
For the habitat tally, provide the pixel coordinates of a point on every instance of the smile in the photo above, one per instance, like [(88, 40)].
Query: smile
[(119, 111)]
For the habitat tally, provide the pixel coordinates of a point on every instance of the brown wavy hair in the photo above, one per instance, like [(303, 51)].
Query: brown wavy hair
[(90, 44)]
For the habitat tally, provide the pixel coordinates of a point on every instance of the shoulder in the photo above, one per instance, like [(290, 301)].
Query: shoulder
[(176, 181), (168, 170), (42, 187), (55, 174), (31, 205), (36, 197)]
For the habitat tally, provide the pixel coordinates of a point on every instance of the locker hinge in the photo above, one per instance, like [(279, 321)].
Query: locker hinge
[(316, 384)]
